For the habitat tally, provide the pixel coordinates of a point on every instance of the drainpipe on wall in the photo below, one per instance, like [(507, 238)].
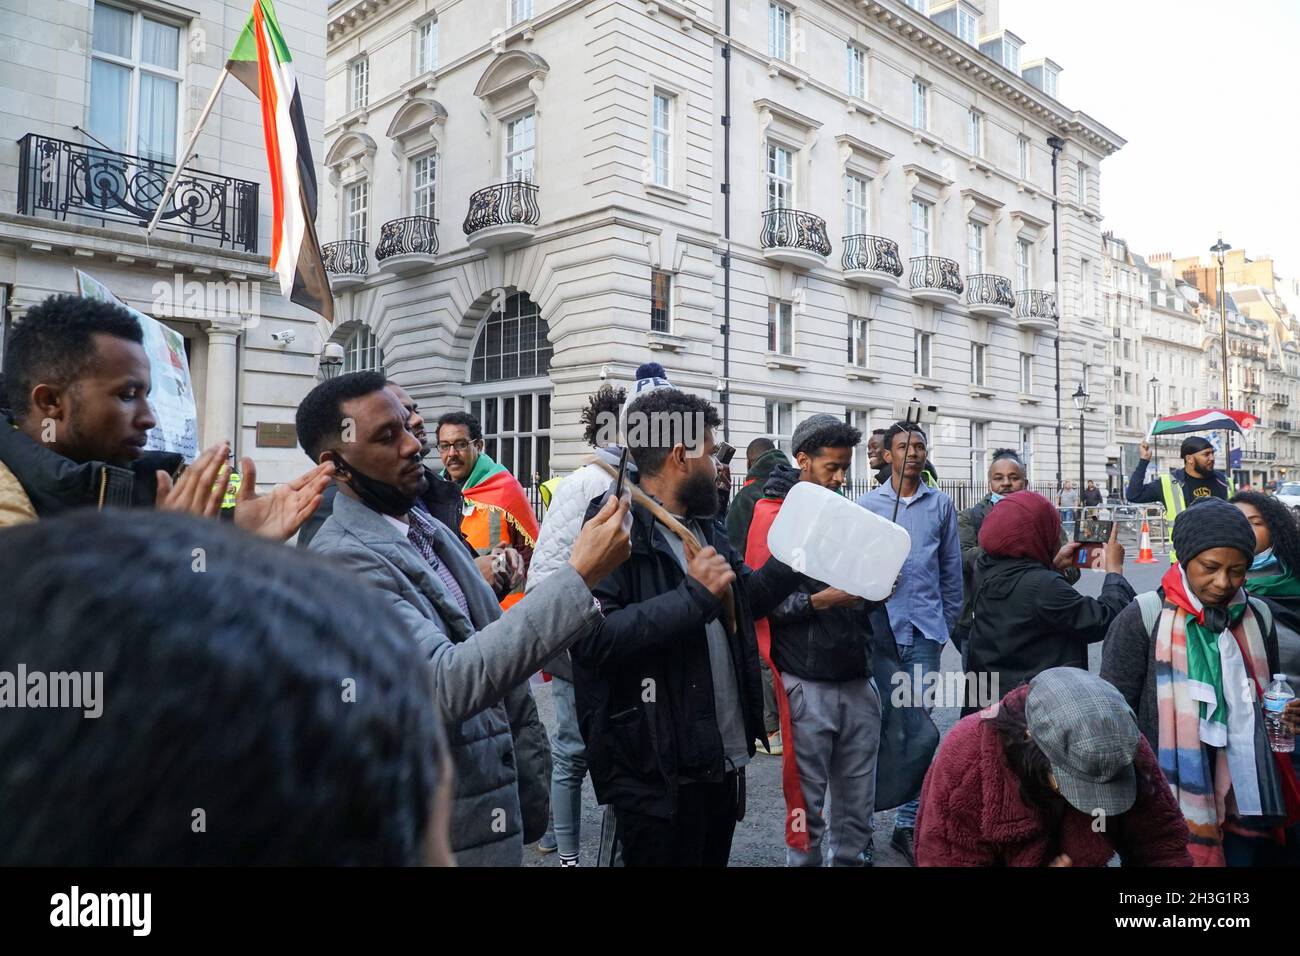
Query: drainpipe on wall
[(726, 226)]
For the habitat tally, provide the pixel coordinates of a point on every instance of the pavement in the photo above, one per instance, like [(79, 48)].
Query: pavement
[(759, 839)]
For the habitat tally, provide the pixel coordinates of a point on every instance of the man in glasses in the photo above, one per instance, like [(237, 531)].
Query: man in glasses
[(497, 515)]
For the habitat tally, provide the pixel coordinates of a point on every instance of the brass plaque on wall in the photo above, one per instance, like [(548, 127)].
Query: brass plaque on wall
[(276, 435)]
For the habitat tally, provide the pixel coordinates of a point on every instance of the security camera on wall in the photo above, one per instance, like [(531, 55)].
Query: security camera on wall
[(284, 337)]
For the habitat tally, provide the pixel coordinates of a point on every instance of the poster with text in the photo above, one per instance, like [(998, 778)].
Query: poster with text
[(172, 394)]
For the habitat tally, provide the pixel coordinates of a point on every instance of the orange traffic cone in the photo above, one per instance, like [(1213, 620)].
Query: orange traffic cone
[(1144, 551)]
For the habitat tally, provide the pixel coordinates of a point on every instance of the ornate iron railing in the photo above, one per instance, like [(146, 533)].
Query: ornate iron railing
[(62, 179), (792, 229), (875, 253), (1036, 304), (346, 257), (502, 204), (414, 234), (984, 288), (936, 272)]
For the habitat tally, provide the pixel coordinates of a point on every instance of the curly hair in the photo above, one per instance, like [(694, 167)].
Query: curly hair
[(606, 401), (1282, 526), (54, 344), (839, 435), (662, 419)]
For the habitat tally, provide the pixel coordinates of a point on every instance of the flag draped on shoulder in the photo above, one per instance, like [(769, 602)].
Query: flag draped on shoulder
[(261, 61)]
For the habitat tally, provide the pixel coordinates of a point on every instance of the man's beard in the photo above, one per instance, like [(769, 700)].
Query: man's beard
[(699, 495)]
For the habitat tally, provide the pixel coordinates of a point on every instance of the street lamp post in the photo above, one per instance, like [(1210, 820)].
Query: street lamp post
[(1155, 443), (1081, 402), (1056, 144), (1219, 248)]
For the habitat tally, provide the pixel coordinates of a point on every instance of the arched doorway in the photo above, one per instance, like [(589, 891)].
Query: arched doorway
[(508, 388)]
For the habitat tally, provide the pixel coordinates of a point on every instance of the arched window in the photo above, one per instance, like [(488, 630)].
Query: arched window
[(361, 352), (512, 343)]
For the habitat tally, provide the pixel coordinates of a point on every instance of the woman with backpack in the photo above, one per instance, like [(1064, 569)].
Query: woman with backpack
[(1192, 659)]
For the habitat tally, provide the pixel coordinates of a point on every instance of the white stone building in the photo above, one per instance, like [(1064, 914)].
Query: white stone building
[(97, 98), (526, 200)]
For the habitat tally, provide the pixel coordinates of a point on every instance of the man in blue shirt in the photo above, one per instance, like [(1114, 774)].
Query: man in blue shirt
[(927, 603)]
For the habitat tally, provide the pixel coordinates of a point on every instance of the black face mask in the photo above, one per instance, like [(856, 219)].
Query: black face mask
[(378, 495)]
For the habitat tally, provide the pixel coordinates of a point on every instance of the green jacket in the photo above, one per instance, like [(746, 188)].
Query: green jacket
[(741, 512), (968, 529)]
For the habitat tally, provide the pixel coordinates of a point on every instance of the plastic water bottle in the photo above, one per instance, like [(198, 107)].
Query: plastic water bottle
[(828, 537), (1278, 695)]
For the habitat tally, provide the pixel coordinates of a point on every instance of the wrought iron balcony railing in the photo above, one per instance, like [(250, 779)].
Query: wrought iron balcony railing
[(792, 229), (60, 179), (346, 257), (984, 288), (874, 253), (1036, 304), (412, 235), (501, 205), (936, 272)]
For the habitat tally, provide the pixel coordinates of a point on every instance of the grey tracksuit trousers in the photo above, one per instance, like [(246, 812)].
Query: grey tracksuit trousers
[(836, 729)]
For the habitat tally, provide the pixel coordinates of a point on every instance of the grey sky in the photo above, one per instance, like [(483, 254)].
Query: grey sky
[(1207, 95)]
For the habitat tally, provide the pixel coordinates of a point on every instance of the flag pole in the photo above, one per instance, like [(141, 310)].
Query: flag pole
[(189, 151)]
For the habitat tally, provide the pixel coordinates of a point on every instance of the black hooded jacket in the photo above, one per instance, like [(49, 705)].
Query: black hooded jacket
[(55, 484), (833, 644), (643, 681)]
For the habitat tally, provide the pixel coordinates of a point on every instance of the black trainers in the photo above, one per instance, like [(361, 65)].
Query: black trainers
[(902, 842)]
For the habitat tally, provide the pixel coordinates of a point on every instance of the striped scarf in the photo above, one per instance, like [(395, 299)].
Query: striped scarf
[(1206, 735)]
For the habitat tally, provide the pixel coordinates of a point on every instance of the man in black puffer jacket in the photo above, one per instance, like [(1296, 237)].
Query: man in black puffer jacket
[(821, 653)]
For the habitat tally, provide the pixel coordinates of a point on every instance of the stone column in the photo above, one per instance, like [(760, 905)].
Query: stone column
[(219, 412)]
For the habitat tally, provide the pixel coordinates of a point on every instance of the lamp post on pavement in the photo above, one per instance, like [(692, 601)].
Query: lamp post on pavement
[(1081, 402), (1219, 248), (1155, 445)]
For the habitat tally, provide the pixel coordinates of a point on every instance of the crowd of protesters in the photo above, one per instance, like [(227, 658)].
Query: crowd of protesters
[(365, 698)]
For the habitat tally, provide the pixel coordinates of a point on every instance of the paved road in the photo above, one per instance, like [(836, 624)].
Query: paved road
[(759, 839)]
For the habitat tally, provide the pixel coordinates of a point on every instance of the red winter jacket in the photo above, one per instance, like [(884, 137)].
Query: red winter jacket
[(972, 814)]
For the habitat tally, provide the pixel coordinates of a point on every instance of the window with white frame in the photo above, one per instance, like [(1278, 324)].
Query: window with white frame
[(921, 354), (921, 215), (978, 363), (780, 327), (778, 31), (358, 83), (859, 342), (857, 193), (860, 418), (1049, 81), (1085, 282), (857, 71), (520, 140), (780, 177), (517, 432), (661, 138), (975, 133), (512, 343), (974, 248), (1026, 373), (519, 10), (135, 81), (979, 450), (424, 185), (1024, 265), (661, 299), (920, 104), (1027, 448), (779, 423), (426, 45), (1081, 174), (1010, 54), (916, 4), (357, 213), (1022, 157), (361, 352), (967, 24)]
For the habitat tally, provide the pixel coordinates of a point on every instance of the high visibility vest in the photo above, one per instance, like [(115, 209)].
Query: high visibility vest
[(1176, 504), (547, 490)]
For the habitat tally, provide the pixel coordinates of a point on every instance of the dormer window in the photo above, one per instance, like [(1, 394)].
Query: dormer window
[(1011, 54)]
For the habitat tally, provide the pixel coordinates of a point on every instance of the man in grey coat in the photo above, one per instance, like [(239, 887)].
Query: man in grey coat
[(478, 657)]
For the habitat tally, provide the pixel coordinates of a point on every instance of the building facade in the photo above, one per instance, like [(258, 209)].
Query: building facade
[(525, 201), (100, 97)]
